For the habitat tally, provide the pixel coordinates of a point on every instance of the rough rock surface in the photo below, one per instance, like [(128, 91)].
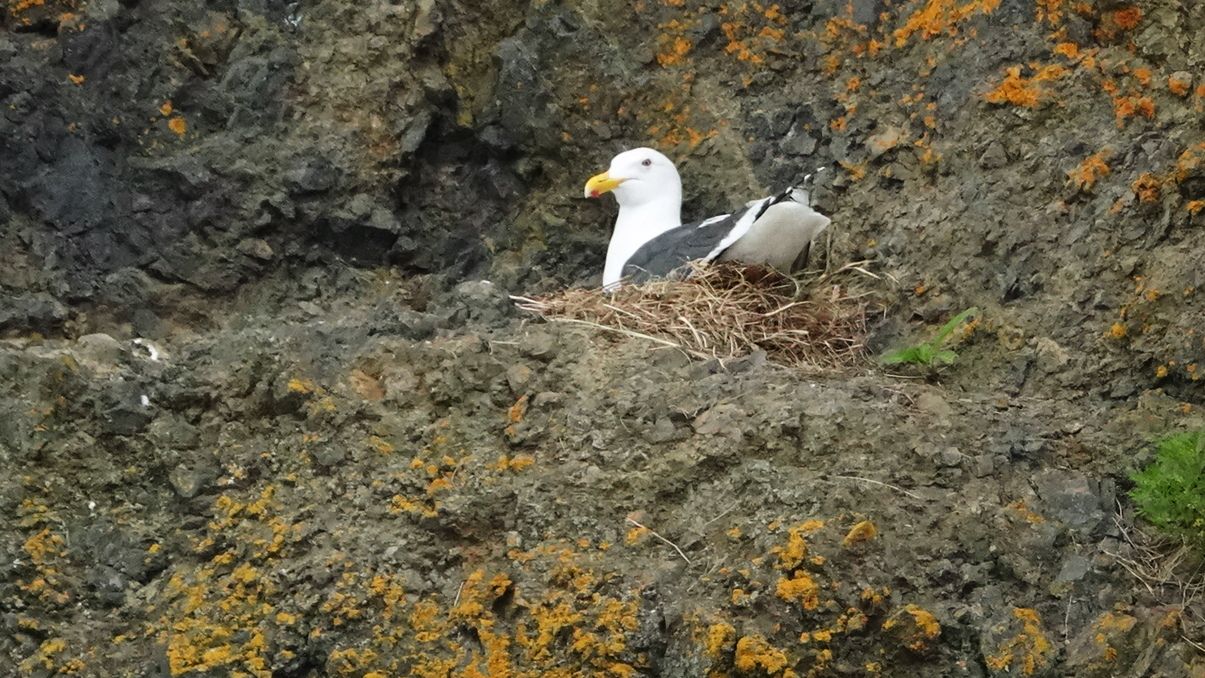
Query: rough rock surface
[(263, 414)]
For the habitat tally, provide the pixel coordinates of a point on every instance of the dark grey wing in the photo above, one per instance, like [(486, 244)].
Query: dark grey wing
[(671, 250), (704, 240)]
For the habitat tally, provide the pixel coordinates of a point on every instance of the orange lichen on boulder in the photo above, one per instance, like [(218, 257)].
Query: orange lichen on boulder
[(1128, 106), (862, 532), (719, 639), (1146, 188), (178, 125), (1027, 651), (940, 17), (753, 653), (1085, 176), (792, 554), (801, 589), (1050, 11), (914, 627), (1019, 90), (1179, 84)]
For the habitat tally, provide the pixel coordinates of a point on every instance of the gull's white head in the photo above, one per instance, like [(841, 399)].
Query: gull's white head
[(638, 177)]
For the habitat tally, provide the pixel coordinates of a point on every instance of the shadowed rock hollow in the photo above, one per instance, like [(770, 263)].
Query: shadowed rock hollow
[(263, 415)]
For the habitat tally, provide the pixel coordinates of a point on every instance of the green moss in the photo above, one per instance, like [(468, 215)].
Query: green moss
[(1170, 492)]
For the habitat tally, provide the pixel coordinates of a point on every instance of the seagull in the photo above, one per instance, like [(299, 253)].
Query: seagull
[(651, 241)]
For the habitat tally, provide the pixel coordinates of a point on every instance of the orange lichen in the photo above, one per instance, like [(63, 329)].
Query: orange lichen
[(856, 170), (1022, 509), (76, 80), (1085, 176), (1050, 11), (1018, 90), (166, 109), (1118, 331), (753, 652), (1067, 49), (719, 639), (674, 50), (178, 125), (518, 462), (1126, 18), (1128, 106), (792, 554), (862, 532), (1146, 188), (938, 17), (916, 627), (1028, 651), (1178, 86), (801, 589)]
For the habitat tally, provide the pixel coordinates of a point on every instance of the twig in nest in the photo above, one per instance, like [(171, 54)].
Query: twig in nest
[(663, 539)]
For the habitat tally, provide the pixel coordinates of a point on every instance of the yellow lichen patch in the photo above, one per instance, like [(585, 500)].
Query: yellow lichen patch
[(399, 504), (1095, 166), (860, 533), (791, 555), (1023, 91), (1118, 331), (380, 445), (719, 639), (516, 463), (801, 589), (753, 653), (636, 534), (1025, 652), (301, 386), (47, 660), (45, 549), (915, 627), (1022, 509), (76, 80), (673, 50), (166, 109), (856, 170), (940, 17)]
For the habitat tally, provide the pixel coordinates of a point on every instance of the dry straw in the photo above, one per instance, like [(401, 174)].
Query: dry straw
[(727, 310)]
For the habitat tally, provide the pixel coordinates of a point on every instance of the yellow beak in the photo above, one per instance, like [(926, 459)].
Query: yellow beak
[(601, 183)]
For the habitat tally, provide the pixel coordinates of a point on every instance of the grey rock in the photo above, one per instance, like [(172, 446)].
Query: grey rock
[(994, 156), (518, 377), (38, 312), (1069, 497), (256, 248), (100, 349), (188, 481)]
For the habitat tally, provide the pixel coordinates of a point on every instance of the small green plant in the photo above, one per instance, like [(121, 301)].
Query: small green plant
[(930, 353), (1170, 492)]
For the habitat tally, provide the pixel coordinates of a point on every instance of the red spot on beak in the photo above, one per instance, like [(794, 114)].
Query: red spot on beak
[(594, 194)]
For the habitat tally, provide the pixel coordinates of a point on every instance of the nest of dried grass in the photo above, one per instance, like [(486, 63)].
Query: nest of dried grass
[(728, 310)]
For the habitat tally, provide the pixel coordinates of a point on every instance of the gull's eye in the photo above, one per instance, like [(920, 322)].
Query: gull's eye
[(646, 162)]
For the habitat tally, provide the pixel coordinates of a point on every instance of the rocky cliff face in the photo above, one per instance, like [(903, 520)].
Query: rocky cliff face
[(263, 415)]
